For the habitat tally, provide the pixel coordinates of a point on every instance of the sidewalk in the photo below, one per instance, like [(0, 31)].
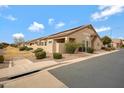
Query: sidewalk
[(24, 66), (42, 79)]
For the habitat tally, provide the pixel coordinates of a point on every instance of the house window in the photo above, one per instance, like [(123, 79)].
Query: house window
[(36, 43), (87, 44), (72, 39), (41, 43), (50, 42), (45, 43)]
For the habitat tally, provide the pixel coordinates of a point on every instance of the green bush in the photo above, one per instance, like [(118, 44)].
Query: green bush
[(1, 58), (40, 55), (90, 50), (57, 55), (38, 50), (13, 45), (5, 44), (1, 46), (23, 48), (107, 49), (122, 46), (112, 48), (70, 47), (28, 49)]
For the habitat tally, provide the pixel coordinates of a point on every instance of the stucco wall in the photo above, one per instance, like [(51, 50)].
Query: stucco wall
[(60, 47), (48, 48), (84, 35), (97, 44)]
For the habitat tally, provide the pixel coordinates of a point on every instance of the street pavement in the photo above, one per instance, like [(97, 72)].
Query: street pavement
[(106, 71)]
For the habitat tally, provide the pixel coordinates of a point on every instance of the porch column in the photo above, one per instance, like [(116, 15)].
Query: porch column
[(66, 39)]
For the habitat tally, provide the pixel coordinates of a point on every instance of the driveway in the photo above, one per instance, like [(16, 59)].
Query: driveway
[(106, 71)]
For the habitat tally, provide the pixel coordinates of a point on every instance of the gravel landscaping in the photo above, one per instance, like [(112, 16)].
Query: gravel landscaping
[(64, 58)]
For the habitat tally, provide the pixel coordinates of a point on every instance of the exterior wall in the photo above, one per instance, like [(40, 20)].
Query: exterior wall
[(60, 47), (85, 35), (117, 43), (48, 48), (97, 44), (79, 36)]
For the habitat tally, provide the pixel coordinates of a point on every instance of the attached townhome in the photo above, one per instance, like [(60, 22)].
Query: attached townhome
[(117, 43), (56, 43)]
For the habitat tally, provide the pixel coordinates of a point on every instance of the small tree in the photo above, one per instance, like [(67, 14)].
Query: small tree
[(106, 40), (70, 47), (18, 38)]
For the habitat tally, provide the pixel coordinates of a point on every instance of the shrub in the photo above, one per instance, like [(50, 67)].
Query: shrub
[(1, 46), (28, 48), (23, 48), (112, 48), (5, 44), (122, 46), (38, 50), (57, 55), (40, 55), (1, 58), (13, 45), (107, 49), (70, 47), (90, 50)]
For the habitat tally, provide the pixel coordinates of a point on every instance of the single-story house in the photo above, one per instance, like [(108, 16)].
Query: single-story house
[(117, 43), (85, 34)]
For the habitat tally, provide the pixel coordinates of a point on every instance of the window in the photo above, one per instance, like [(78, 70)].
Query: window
[(87, 44), (50, 42), (72, 39), (41, 43), (45, 43)]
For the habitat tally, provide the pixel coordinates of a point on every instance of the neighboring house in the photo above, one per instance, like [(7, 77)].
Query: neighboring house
[(123, 42), (56, 43), (117, 43)]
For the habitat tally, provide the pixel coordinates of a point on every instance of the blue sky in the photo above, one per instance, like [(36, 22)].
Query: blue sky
[(37, 21)]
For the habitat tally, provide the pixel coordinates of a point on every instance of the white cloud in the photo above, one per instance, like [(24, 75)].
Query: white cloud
[(10, 17), (51, 21), (18, 35), (103, 29), (36, 27), (59, 25), (107, 11), (101, 7)]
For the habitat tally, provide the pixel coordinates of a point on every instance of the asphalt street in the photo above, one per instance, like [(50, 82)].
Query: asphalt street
[(106, 71)]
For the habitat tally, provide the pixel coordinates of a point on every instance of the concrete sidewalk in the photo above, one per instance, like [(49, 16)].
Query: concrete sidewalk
[(24, 66), (42, 79)]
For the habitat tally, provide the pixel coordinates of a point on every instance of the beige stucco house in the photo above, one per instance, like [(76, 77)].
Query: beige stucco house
[(56, 43), (117, 43)]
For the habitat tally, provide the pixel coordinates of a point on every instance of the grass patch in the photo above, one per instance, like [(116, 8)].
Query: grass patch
[(11, 52)]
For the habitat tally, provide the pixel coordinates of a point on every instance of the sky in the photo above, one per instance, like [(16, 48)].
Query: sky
[(33, 21)]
